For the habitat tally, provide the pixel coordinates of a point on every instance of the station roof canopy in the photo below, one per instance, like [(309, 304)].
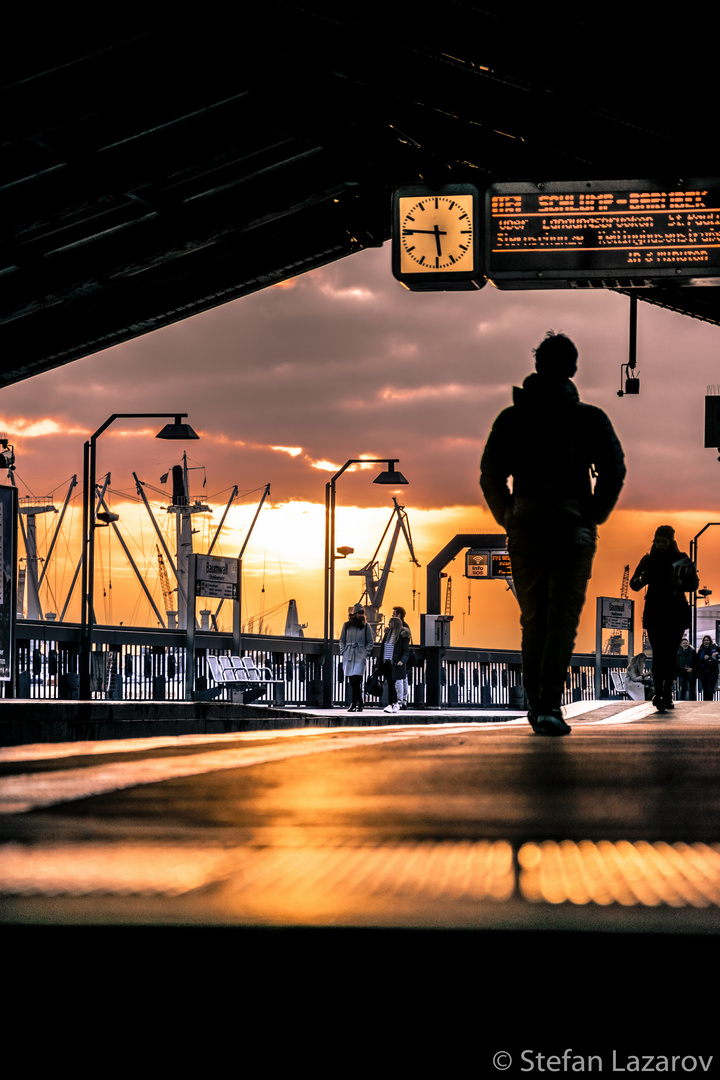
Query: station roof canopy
[(153, 169)]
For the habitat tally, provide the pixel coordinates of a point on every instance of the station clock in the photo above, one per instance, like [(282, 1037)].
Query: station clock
[(435, 240)]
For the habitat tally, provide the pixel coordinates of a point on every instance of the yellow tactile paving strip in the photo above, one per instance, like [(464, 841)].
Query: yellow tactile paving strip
[(603, 873)]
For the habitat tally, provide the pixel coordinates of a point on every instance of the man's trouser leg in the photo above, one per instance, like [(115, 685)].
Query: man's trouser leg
[(551, 583)]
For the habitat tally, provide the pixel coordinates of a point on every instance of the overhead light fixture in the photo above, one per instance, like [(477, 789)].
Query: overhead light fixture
[(391, 476), (632, 382), (177, 430)]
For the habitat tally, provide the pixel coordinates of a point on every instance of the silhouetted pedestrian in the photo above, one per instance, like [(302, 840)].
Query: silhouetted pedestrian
[(708, 656), (668, 574), (404, 689), (551, 444), (686, 671)]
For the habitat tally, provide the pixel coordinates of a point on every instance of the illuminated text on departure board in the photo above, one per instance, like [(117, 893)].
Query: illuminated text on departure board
[(542, 235)]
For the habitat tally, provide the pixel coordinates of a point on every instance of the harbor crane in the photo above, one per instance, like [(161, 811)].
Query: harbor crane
[(376, 579)]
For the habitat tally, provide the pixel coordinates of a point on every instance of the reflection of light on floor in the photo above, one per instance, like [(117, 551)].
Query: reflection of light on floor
[(100, 868), (299, 881), (475, 871), (679, 875)]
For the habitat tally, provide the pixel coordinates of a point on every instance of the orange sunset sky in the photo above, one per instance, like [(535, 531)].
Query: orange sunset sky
[(286, 385)]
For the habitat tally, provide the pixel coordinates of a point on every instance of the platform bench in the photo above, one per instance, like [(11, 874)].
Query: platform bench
[(241, 674)]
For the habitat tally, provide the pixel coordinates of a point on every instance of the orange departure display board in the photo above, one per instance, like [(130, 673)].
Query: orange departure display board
[(599, 233)]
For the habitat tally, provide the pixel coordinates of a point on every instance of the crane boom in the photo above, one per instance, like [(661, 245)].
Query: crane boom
[(164, 582), (376, 580)]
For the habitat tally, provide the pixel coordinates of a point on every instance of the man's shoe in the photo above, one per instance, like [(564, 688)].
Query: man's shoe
[(388, 708), (551, 723), (533, 717), (658, 703), (668, 703)]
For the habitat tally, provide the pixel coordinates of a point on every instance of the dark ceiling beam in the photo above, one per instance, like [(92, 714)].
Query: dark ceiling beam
[(150, 176)]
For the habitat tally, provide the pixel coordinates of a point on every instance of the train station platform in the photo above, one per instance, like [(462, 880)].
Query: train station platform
[(311, 856), (24, 720), (433, 821)]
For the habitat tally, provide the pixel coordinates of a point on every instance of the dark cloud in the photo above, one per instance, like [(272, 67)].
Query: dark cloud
[(344, 362)]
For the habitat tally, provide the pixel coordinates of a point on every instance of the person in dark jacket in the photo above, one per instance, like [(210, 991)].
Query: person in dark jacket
[(686, 671), (668, 574), (708, 656), (551, 444), (403, 691), (394, 657)]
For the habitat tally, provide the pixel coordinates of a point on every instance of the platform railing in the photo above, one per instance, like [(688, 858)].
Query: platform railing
[(137, 664)]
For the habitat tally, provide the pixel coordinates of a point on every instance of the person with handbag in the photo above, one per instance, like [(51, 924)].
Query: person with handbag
[(356, 645), (668, 574), (394, 657)]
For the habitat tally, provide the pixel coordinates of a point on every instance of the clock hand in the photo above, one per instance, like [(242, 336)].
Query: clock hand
[(430, 232), (437, 241)]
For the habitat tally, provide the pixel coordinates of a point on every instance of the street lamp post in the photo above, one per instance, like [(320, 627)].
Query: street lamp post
[(176, 430), (694, 559), (390, 477)]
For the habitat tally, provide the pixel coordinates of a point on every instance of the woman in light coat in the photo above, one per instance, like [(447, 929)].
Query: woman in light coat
[(356, 645)]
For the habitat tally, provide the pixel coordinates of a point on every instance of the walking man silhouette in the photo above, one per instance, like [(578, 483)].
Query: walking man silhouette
[(553, 446)]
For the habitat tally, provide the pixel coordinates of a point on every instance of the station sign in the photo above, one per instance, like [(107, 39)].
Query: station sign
[(616, 614), (487, 563), (217, 577), (602, 233)]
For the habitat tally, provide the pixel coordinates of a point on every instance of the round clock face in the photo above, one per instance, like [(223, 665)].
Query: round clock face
[(436, 233)]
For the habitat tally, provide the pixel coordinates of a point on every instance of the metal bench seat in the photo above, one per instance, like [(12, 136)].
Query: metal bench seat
[(241, 673)]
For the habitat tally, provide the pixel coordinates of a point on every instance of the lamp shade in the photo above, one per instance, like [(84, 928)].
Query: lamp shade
[(177, 430), (391, 477)]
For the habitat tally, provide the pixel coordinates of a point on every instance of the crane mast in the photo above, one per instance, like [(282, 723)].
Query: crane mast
[(375, 579)]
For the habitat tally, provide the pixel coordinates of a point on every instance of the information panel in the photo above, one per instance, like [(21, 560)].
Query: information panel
[(484, 563), (217, 577), (602, 233), (616, 614)]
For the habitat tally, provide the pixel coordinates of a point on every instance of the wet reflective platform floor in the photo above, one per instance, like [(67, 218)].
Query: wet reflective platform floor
[(453, 825)]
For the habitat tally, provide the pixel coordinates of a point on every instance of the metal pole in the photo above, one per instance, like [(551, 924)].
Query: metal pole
[(84, 679), (327, 641), (694, 559), (598, 648), (88, 568)]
